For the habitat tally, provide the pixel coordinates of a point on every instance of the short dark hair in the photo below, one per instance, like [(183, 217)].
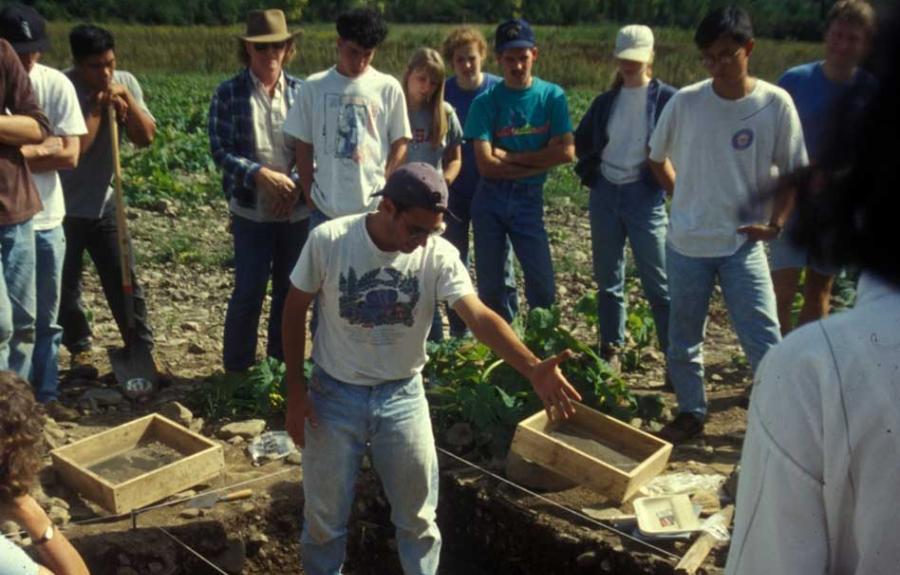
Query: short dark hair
[(365, 26), (88, 40), (21, 422), (847, 205), (730, 21)]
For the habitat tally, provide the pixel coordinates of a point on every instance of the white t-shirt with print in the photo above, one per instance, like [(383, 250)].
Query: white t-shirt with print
[(351, 124), (54, 93), (626, 152), (727, 156), (375, 307)]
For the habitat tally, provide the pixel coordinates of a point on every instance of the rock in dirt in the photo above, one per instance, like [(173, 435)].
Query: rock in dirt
[(295, 458), (460, 436), (234, 557), (191, 326), (59, 516), (9, 527), (246, 429), (197, 425), (177, 412), (196, 348), (101, 397), (190, 513)]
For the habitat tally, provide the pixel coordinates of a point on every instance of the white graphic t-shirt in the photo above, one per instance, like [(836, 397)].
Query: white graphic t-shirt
[(351, 124), (727, 156), (54, 93), (375, 307)]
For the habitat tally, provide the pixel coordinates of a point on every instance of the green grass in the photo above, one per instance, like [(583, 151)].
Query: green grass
[(573, 56)]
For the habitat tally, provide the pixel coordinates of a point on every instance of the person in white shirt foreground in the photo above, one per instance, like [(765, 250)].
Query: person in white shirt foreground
[(821, 458), (378, 277)]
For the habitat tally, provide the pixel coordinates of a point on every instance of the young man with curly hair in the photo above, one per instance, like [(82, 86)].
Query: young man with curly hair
[(350, 123), (21, 424)]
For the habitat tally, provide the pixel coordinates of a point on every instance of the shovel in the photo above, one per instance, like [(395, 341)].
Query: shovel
[(210, 499), (134, 366)]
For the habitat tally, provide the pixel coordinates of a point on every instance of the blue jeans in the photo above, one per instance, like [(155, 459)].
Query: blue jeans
[(260, 250), (636, 211), (393, 419), (457, 233), (17, 298), (510, 211), (749, 297), (50, 249)]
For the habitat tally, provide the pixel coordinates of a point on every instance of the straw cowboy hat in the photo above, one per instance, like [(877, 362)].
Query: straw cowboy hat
[(267, 26)]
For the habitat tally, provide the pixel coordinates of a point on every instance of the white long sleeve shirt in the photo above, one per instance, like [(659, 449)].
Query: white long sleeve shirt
[(820, 471)]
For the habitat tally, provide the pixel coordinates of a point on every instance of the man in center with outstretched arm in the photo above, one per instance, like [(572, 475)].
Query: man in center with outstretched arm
[(378, 277)]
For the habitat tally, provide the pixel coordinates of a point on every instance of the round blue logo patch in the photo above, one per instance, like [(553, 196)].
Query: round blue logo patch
[(742, 139)]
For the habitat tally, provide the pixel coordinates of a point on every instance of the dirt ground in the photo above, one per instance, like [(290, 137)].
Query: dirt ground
[(183, 268)]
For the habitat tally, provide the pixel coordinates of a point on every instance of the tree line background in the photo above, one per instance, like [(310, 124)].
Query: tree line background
[(800, 19)]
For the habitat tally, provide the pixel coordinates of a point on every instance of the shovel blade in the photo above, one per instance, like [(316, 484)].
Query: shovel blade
[(133, 363), (204, 501)]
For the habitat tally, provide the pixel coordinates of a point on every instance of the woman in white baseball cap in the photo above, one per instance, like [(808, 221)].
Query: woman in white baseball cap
[(626, 201)]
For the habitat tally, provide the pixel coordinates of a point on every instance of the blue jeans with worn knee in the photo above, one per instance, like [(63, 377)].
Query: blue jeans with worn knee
[(261, 250), (50, 250), (393, 419), (749, 297), (635, 211), (17, 297), (507, 210)]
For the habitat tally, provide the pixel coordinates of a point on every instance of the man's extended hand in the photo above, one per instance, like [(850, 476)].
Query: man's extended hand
[(553, 388), (299, 409), (760, 232)]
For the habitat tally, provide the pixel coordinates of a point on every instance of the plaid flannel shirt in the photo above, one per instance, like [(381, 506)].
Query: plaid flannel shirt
[(231, 139)]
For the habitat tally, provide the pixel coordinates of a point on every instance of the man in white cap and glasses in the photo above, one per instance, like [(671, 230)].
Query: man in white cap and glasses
[(25, 30), (626, 200), (268, 215), (378, 277)]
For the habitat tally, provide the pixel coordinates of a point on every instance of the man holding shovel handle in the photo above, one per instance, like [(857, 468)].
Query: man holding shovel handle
[(92, 222)]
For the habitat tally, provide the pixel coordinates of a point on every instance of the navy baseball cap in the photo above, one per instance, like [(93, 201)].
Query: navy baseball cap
[(418, 185), (513, 34), (24, 29)]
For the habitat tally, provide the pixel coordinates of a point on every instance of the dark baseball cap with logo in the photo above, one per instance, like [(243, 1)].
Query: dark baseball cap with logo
[(417, 185), (24, 28), (513, 34)]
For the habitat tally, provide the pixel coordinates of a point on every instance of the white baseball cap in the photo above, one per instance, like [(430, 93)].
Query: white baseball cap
[(634, 42)]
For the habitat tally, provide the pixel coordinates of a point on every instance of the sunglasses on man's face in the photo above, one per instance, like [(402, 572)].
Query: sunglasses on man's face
[(263, 46)]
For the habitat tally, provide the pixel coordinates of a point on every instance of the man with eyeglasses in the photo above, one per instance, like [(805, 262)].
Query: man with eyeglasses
[(378, 277), (350, 123), (727, 137), (269, 218)]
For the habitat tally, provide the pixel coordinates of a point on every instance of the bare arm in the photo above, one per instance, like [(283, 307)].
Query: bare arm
[(20, 130), (396, 157), (545, 376), (54, 153), (490, 166), (293, 336), (559, 150), (58, 553), (452, 163), (303, 156), (92, 121), (665, 174)]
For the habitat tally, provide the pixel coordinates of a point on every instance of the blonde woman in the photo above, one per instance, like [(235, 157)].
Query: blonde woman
[(626, 200)]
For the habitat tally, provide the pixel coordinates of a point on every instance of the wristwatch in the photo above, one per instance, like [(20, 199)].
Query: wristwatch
[(48, 535)]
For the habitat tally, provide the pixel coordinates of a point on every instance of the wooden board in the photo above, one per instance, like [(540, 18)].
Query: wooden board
[(202, 460), (535, 442)]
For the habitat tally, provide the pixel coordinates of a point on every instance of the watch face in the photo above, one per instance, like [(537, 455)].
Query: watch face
[(48, 535)]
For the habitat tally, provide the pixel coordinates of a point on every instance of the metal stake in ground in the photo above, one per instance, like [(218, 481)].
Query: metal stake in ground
[(134, 361)]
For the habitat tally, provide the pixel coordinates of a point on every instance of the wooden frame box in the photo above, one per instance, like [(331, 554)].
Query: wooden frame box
[(202, 460), (540, 441)]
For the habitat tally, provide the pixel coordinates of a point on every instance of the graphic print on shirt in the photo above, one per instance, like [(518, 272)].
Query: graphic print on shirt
[(353, 119), (517, 125), (742, 139), (382, 296)]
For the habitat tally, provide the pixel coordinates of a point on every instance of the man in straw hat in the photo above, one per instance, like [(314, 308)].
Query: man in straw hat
[(268, 216), (90, 222)]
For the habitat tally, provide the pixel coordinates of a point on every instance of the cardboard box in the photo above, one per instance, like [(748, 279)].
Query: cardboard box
[(594, 450), (116, 468)]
